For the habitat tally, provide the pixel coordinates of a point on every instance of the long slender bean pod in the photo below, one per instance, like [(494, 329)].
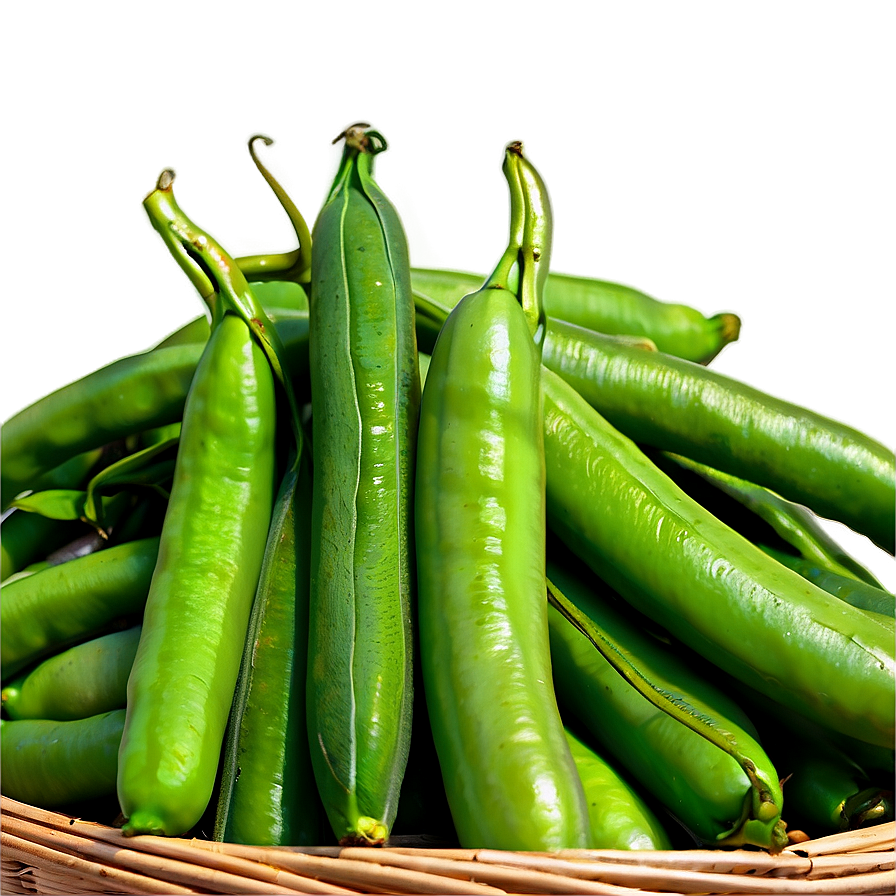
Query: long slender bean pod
[(51, 764), (607, 308), (61, 605), (365, 390), (675, 405), (212, 544), (267, 795), (708, 585), (509, 776)]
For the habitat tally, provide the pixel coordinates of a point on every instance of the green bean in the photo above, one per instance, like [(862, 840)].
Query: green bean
[(710, 587), (509, 776), (683, 740), (125, 398), (620, 819), (607, 308), (85, 680), (212, 543), (761, 515), (128, 396), (678, 406), (365, 396), (51, 764), (267, 795), (826, 791), (62, 605)]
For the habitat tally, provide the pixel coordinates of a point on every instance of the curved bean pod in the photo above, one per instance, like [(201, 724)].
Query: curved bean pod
[(508, 773), (607, 308), (127, 397), (678, 406), (63, 604), (181, 686), (706, 584), (722, 799), (51, 764), (620, 819), (85, 680)]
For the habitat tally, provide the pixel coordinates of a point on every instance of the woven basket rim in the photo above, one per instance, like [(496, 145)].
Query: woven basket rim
[(51, 852)]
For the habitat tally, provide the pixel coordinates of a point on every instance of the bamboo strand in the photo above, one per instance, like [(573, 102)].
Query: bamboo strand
[(854, 863), (179, 849), (13, 875), (731, 861), (512, 879), (456, 854), (159, 867), (202, 852), (641, 877), (13, 808), (882, 835), (355, 872), (28, 852)]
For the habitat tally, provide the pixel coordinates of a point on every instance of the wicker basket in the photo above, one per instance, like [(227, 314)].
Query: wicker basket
[(47, 852)]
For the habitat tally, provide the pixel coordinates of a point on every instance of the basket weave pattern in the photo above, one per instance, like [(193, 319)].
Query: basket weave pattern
[(48, 852)]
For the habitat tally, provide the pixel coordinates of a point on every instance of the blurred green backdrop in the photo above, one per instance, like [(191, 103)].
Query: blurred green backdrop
[(733, 155)]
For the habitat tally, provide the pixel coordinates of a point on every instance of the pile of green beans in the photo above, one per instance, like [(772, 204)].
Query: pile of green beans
[(372, 551)]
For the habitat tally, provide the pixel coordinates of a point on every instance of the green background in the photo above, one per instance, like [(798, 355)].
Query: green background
[(738, 156)]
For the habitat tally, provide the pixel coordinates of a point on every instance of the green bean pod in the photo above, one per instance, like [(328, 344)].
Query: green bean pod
[(509, 776), (620, 819), (85, 680), (212, 544), (51, 764), (99, 408), (721, 797), (267, 795), (678, 406), (124, 398), (607, 308), (708, 585), (61, 605), (365, 391)]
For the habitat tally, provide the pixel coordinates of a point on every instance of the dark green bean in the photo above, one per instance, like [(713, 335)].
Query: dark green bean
[(267, 795), (365, 390)]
